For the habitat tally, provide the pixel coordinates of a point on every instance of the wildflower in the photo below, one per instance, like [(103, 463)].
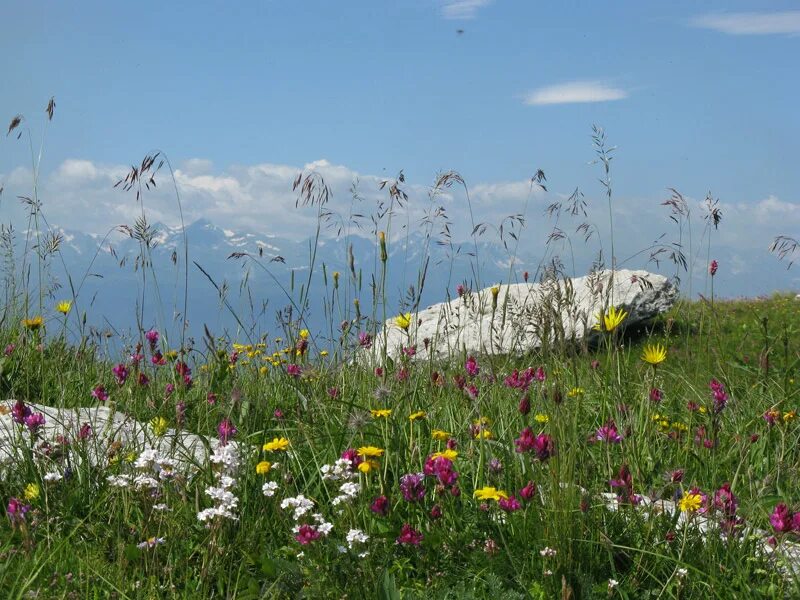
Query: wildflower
[(575, 392), (64, 306), (269, 489), (528, 492), (380, 412), (542, 445), (403, 321), (293, 370), (85, 432), (719, 396), (420, 414), (409, 536), (159, 426), (412, 485), (300, 504), (351, 456), (654, 354), (495, 292), (656, 395), (33, 323), (151, 542), (16, 510), (541, 418), (307, 534), (789, 416), (448, 454), (9, 349), (120, 373), (20, 412), (510, 504), (489, 493), (276, 445), (712, 268), (364, 339), (610, 320), (370, 452), (440, 435), (368, 465), (263, 467), (380, 506), (771, 416), (226, 430), (781, 518), (34, 422), (32, 491), (547, 552), (52, 477), (726, 501), (471, 366), (356, 536), (348, 491), (608, 433), (152, 338), (691, 502)]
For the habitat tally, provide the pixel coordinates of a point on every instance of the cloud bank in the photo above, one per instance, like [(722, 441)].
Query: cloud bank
[(751, 23)]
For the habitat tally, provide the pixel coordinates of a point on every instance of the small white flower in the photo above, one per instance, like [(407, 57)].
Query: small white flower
[(300, 504), (612, 584), (547, 551), (120, 481), (356, 536), (269, 489), (52, 477), (681, 573), (160, 507)]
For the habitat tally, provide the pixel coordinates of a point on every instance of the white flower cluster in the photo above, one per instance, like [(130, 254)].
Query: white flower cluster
[(226, 460), (348, 491), (162, 466), (342, 469), (300, 504), (269, 489), (53, 477), (354, 537)]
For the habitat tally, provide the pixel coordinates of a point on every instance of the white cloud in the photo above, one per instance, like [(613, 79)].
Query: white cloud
[(751, 23), (462, 9), (574, 92)]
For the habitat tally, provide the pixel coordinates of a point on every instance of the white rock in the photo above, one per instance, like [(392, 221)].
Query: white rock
[(526, 314)]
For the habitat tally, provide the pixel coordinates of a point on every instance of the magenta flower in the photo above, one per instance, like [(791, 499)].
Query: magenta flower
[(85, 432), (471, 366), (608, 433), (9, 350), (412, 485), (528, 492), (409, 536), (16, 510), (410, 351), (402, 374), (152, 338), (293, 370), (380, 506), (441, 468), (352, 455), (624, 483), (158, 359), (20, 412), (34, 422), (307, 534), (509, 504), (182, 369), (168, 390), (712, 268), (136, 358), (781, 518), (436, 512), (143, 380), (726, 501), (460, 290), (226, 430), (99, 392), (542, 445), (472, 391), (719, 396), (120, 373), (656, 395), (364, 340)]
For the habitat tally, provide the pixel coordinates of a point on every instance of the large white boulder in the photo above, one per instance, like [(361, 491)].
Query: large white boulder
[(527, 314)]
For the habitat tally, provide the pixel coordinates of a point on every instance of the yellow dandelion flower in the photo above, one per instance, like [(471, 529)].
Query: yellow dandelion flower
[(276, 445), (263, 370), (323, 353), (609, 321), (403, 321), (482, 421), (368, 465), (159, 426), (33, 323), (449, 454), (540, 418), (370, 451), (263, 467), (420, 414), (654, 354), (441, 435), (304, 334), (32, 491), (64, 306), (789, 416), (691, 502), (483, 434), (576, 391), (490, 493), (380, 412)]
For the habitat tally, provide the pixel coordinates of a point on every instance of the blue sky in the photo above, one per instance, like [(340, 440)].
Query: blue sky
[(697, 97)]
